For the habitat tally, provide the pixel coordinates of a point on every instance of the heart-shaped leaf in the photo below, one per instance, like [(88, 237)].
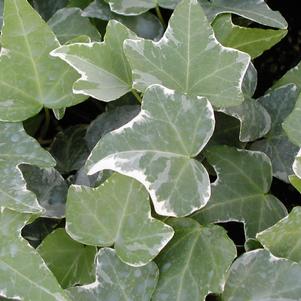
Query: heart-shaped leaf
[(105, 71), (255, 10), (110, 214), (17, 147), (206, 67), (284, 238), (23, 273), (240, 192), (194, 263), (29, 77), (157, 148), (71, 263), (258, 275), (116, 280)]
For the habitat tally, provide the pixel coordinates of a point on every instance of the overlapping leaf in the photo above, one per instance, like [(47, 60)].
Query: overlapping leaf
[(71, 263), (255, 10), (114, 210), (194, 263), (136, 7), (17, 147), (146, 25), (279, 103), (258, 275), (296, 182), (253, 41), (105, 71), (189, 60), (240, 192), (284, 238), (29, 77), (158, 148), (47, 8), (67, 24), (116, 280), (297, 165), (23, 273)]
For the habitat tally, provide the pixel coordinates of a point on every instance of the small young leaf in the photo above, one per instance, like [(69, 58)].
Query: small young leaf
[(253, 41), (110, 214), (116, 280), (23, 273), (158, 148), (279, 103), (70, 262), (29, 77), (105, 72), (240, 192), (67, 24), (258, 275), (194, 263), (296, 182), (17, 148), (189, 59), (284, 238), (255, 10)]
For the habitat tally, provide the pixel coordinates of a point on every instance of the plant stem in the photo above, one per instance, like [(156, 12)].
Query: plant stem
[(159, 14), (135, 93)]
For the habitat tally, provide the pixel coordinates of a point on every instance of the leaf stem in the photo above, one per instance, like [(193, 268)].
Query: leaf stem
[(135, 93), (159, 15)]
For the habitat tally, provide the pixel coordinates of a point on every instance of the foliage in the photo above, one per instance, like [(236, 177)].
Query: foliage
[(132, 137)]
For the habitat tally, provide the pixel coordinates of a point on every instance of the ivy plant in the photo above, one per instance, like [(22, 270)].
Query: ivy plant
[(141, 155)]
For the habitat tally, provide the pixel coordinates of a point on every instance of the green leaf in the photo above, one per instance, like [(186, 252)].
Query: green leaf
[(255, 10), (207, 68), (258, 275), (69, 149), (284, 238), (146, 25), (240, 192), (71, 263), (110, 214), (253, 41), (279, 103), (1, 13), (194, 263), (116, 280), (67, 24), (296, 182), (108, 122), (158, 148), (17, 148), (297, 165), (23, 273), (79, 3), (29, 77), (47, 8), (49, 187), (104, 69), (136, 7), (293, 76), (254, 119)]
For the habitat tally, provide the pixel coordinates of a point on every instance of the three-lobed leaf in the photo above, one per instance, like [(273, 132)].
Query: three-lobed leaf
[(158, 148)]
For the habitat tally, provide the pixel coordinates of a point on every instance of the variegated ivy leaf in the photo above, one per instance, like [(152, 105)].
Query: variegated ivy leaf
[(284, 238), (67, 24), (253, 41), (146, 25), (279, 103), (110, 213), (255, 10), (194, 263), (158, 148), (116, 280), (240, 192), (297, 165), (71, 262), (255, 120), (189, 60), (23, 274), (17, 147), (136, 7), (29, 77), (258, 275), (105, 71)]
